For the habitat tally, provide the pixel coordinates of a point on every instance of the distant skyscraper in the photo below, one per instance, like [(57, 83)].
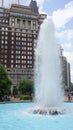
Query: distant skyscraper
[(66, 78)]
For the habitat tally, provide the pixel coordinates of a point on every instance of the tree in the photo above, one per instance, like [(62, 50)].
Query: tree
[(5, 82), (71, 87), (26, 86)]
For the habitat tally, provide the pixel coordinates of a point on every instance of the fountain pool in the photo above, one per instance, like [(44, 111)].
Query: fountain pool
[(15, 117)]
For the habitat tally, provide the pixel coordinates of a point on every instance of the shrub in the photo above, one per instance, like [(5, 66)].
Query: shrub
[(26, 87), (25, 97)]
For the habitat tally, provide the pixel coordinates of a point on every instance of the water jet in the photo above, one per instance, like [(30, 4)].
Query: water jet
[(47, 79)]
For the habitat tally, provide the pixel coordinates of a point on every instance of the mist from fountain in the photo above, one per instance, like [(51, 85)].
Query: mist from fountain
[(47, 82)]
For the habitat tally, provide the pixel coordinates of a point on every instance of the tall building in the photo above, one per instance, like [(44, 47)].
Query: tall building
[(19, 28), (65, 65)]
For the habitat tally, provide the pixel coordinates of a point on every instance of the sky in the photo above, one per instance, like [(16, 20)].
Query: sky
[(61, 11)]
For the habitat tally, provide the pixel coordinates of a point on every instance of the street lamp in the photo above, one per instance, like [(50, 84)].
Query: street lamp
[(18, 2), (2, 3)]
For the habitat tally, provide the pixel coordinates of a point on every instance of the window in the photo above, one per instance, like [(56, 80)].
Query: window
[(23, 57), (11, 66), (5, 47), (18, 22), (23, 43), (12, 56), (29, 48), (12, 47), (5, 65), (5, 42), (12, 24), (23, 66), (1, 56), (3, 21), (2, 46), (6, 29), (11, 61), (6, 21), (2, 32), (12, 38), (12, 52), (2, 37), (12, 19), (17, 34), (17, 61), (12, 42), (23, 52), (12, 33), (29, 24), (5, 56), (23, 23), (6, 33), (6, 38), (29, 57), (23, 61), (5, 51), (18, 56), (2, 28), (18, 47), (17, 52), (5, 61), (24, 34), (12, 29), (23, 39), (2, 41), (17, 43), (23, 48)]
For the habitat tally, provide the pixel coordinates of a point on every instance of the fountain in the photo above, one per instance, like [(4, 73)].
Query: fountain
[(48, 92), (48, 84)]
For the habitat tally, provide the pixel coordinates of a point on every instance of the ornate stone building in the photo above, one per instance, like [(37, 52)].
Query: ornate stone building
[(19, 28)]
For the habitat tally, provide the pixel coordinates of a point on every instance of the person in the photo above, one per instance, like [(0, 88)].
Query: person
[(69, 98)]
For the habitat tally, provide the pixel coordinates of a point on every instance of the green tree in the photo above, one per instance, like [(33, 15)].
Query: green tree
[(26, 86), (71, 87), (5, 82)]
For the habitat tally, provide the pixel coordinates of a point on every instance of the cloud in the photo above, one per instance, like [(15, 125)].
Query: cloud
[(41, 5), (65, 36), (67, 46), (63, 16), (69, 56), (7, 3)]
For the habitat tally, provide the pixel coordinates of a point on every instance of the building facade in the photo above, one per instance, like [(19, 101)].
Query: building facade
[(19, 28)]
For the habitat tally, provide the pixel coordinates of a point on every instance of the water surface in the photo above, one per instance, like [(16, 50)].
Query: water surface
[(15, 117)]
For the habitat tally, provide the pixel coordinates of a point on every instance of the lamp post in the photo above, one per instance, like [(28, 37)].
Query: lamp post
[(2, 3), (18, 2)]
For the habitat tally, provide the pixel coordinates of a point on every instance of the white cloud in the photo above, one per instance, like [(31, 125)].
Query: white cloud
[(67, 46), (69, 56), (63, 16), (65, 37), (40, 1), (7, 3), (65, 33), (40, 4)]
